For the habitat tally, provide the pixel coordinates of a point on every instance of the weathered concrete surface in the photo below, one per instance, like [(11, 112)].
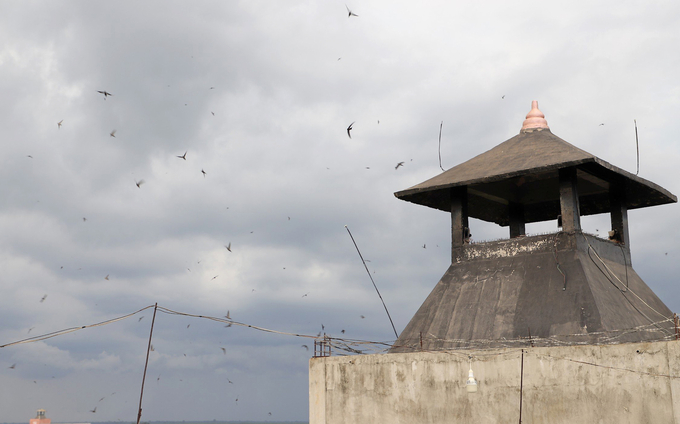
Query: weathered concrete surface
[(607, 384), (570, 286)]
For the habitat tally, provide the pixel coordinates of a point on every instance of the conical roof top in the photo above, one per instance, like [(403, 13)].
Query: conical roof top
[(524, 169)]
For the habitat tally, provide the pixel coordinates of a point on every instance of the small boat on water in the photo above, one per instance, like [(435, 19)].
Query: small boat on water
[(40, 418)]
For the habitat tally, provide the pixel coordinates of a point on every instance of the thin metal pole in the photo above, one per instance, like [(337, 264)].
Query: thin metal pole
[(146, 364), (371, 277), (521, 386)]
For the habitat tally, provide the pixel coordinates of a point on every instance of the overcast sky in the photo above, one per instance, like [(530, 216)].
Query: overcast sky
[(259, 94)]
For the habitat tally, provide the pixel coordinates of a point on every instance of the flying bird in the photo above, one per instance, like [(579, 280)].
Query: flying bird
[(350, 129), (203, 172), (84, 219), (29, 330), (29, 156), (184, 156), (228, 246), (93, 410), (214, 277), (350, 13), (140, 318), (213, 113), (305, 295), (59, 124), (43, 299), (105, 93), (139, 183), (113, 134), (424, 246), (224, 350), (12, 366), (398, 165), (107, 277), (227, 316), (306, 347)]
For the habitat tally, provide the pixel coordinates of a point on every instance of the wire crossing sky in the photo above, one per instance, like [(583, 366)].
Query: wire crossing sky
[(197, 155)]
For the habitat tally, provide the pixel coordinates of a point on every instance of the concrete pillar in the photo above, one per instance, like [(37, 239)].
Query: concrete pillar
[(569, 206), (460, 228), (517, 224), (619, 213)]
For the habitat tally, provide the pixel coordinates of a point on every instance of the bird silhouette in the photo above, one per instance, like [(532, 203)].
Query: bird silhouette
[(350, 129), (184, 156), (84, 219), (113, 134), (105, 93), (350, 13), (43, 299), (214, 277), (59, 124), (13, 366), (227, 316), (139, 183), (224, 350), (107, 277), (93, 410), (398, 165), (140, 318), (305, 295), (203, 172), (306, 347), (228, 246)]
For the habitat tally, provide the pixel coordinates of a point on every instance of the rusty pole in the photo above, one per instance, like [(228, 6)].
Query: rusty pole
[(146, 364)]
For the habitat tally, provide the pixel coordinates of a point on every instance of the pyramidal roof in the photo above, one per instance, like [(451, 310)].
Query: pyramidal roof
[(527, 162)]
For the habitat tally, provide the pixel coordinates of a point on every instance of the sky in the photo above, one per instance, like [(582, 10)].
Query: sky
[(257, 97)]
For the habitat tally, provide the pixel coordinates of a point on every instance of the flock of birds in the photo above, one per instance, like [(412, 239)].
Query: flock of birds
[(227, 246)]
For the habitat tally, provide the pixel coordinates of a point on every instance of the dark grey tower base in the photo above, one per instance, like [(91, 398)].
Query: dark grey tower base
[(554, 287)]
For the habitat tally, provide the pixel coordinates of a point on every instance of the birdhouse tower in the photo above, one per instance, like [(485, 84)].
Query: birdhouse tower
[(40, 418), (569, 287)]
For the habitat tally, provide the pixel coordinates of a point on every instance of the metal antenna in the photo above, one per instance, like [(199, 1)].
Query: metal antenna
[(637, 146), (371, 277), (440, 144)]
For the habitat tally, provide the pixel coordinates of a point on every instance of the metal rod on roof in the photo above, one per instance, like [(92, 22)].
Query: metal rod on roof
[(371, 277), (637, 147), (440, 145)]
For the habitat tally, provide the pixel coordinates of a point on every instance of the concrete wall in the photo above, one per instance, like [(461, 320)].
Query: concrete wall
[(626, 383)]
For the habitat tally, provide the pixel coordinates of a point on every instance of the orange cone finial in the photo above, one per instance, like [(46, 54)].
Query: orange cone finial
[(535, 119)]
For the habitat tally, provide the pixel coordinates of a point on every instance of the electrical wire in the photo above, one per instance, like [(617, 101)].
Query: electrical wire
[(72, 329), (619, 280)]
